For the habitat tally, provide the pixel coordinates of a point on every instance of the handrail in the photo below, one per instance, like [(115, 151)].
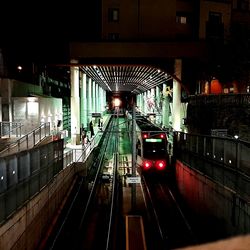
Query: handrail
[(29, 140), (10, 127)]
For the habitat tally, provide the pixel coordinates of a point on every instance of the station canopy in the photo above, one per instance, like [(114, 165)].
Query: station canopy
[(130, 78)]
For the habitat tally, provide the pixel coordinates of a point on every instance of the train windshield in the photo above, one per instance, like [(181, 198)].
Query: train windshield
[(153, 140), (154, 148)]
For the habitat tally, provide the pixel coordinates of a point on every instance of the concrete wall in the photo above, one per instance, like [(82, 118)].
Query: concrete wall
[(29, 226), (147, 20), (25, 228), (16, 106), (219, 7), (32, 111), (209, 199)]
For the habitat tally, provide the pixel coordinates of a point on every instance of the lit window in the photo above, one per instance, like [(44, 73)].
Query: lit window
[(113, 36), (183, 17), (113, 15)]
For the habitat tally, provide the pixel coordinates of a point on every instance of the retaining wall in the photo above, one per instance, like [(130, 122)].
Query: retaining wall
[(208, 198)]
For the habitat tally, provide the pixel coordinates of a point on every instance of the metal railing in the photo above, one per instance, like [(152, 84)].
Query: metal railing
[(10, 129), (224, 160), (25, 174), (34, 168), (27, 141), (222, 99)]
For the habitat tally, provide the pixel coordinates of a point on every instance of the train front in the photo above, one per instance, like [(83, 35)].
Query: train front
[(152, 153)]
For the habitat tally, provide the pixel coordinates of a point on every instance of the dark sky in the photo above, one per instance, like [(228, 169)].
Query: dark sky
[(43, 30)]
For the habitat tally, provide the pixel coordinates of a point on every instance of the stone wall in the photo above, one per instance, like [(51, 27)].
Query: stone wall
[(26, 228)]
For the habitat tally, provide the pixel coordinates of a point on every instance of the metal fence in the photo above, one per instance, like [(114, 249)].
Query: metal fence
[(10, 129), (225, 160), (28, 141), (24, 174)]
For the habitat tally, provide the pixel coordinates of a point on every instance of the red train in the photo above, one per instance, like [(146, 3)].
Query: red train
[(152, 144)]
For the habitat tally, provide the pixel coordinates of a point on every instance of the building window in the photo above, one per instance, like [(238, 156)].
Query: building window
[(215, 17), (183, 17), (243, 4), (215, 26), (113, 36), (113, 15)]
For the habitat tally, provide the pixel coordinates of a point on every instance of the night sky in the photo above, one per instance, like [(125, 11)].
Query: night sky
[(42, 31)]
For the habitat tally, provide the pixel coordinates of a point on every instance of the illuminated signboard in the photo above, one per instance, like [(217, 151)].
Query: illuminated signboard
[(153, 140)]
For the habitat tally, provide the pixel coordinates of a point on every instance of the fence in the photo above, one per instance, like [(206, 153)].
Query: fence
[(28, 141), (225, 160), (10, 129), (24, 174)]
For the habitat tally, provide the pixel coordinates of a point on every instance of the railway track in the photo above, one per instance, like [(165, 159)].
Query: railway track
[(165, 217), (90, 210), (93, 215)]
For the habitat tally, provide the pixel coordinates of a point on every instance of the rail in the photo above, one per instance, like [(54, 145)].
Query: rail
[(9, 129), (115, 191)]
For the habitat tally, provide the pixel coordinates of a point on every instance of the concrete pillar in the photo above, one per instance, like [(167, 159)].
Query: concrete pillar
[(105, 98), (97, 98), (138, 104), (102, 104), (165, 107), (139, 101), (143, 102), (148, 100), (84, 113), (145, 107), (177, 96), (152, 99), (89, 101), (75, 104), (93, 97), (157, 105)]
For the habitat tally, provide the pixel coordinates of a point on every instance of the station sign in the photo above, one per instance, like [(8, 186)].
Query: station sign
[(136, 179), (96, 115)]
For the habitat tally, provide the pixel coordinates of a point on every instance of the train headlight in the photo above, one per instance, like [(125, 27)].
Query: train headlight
[(162, 135), (147, 164), (160, 165)]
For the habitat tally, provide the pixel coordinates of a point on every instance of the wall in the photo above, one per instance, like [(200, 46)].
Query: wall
[(16, 106), (219, 7), (31, 111), (25, 228), (140, 19), (209, 199)]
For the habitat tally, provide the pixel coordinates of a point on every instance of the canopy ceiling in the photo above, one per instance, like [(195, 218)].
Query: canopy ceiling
[(131, 78)]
